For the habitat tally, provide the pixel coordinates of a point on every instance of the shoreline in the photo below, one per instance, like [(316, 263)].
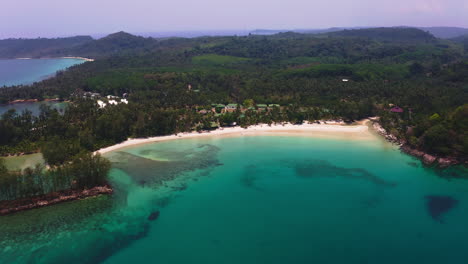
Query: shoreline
[(331, 129), (426, 158), (65, 57), (14, 206), (78, 58)]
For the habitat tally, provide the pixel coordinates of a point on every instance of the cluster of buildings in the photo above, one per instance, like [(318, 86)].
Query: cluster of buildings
[(105, 101), (230, 108)]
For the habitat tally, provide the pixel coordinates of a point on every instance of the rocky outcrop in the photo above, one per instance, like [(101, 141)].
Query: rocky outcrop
[(9, 207), (381, 131), (413, 152), (428, 159), (446, 162)]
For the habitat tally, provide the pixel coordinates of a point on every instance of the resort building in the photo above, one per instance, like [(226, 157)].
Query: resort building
[(262, 107), (396, 109), (231, 108)]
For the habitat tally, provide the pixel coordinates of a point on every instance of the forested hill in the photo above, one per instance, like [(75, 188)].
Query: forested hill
[(349, 75), (40, 47), (285, 45), (446, 32), (463, 40), (388, 34), (438, 32), (118, 43)]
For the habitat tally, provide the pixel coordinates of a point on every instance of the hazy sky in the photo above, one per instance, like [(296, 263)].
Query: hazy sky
[(32, 18)]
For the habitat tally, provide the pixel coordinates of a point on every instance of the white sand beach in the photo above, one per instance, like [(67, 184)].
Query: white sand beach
[(328, 130)]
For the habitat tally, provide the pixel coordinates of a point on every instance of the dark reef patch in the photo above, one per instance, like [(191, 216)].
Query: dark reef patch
[(164, 201), (153, 216), (322, 168), (438, 205), (453, 172), (249, 177), (149, 172)]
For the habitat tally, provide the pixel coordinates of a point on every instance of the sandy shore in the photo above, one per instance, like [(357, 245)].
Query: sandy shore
[(329, 130), (79, 58)]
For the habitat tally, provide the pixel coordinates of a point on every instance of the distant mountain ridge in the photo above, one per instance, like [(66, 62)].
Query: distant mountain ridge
[(388, 34), (122, 43), (438, 32), (83, 46), (40, 47), (446, 32)]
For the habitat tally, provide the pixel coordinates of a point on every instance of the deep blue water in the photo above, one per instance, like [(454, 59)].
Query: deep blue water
[(16, 72), (254, 199)]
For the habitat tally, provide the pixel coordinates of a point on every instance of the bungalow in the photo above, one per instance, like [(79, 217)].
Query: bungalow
[(219, 107), (262, 107), (273, 105), (91, 95), (396, 109), (113, 102), (231, 108), (101, 104)]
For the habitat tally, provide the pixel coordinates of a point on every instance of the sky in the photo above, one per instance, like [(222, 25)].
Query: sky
[(53, 18)]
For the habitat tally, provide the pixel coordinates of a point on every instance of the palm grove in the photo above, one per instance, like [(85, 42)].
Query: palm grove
[(176, 85)]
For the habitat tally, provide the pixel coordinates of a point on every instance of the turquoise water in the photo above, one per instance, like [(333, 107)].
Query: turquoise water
[(262, 199), (16, 72)]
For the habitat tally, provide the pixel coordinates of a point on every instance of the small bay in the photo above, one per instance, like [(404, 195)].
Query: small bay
[(27, 71), (253, 199)]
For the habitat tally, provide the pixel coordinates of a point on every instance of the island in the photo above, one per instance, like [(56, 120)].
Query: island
[(410, 83)]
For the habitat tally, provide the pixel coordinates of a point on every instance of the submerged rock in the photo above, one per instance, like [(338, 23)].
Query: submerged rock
[(438, 205), (153, 216), (323, 168)]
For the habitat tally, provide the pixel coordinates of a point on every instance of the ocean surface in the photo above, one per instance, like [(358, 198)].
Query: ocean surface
[(254, 199), (16, 72)]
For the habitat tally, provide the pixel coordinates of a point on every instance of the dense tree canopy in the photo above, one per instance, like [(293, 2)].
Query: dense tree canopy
[(176, 85)]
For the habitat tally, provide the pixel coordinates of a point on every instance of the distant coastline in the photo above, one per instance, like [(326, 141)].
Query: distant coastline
[(66, 57), (78, 58), (24, 71)]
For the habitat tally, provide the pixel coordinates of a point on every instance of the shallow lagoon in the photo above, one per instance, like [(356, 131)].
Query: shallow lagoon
[(253, 199), (27, 71)]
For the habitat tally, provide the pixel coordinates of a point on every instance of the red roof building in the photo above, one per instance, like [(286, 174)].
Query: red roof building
[(396, 109)]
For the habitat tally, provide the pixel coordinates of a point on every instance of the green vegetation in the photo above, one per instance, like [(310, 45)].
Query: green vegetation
[(357, 72), (177, 85), (388, 34), (40, 47), (217, 60), (82, 171)]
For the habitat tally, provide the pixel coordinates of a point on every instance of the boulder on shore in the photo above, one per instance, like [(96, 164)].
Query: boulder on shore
[(429, 159)]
